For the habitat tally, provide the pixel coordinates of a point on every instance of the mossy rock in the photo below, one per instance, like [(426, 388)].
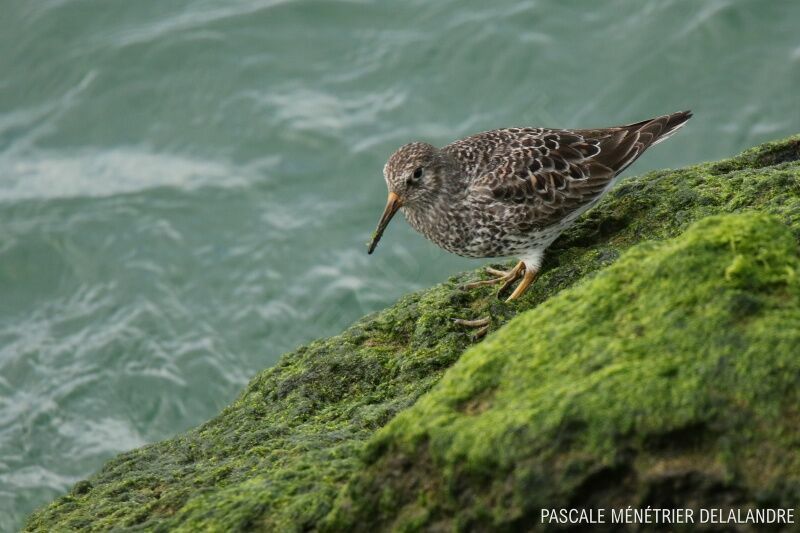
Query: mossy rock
[(670, 379), (299, 450)]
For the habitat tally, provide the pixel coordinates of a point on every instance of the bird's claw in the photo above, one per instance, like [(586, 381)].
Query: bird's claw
[(481, 323), (527, 279), (477, 323), (500, 276), (507, 279)]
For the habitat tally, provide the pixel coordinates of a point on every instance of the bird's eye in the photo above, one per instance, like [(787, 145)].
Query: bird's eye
[(414, 177)]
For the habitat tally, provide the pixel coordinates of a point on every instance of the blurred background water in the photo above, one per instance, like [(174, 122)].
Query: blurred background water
[(187, 186)]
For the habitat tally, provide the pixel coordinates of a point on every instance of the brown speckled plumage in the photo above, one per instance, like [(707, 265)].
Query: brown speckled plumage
[(513, 191)]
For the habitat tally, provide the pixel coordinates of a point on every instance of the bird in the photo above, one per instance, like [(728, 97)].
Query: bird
[(511, 192)]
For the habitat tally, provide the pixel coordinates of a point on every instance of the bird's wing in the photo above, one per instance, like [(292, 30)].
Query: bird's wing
[(555, 172)]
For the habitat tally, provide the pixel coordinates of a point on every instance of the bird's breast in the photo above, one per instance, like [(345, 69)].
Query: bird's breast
[(480, 233)]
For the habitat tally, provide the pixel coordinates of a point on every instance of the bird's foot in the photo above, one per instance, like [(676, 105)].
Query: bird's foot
[(481, 323), (507, 278), (500, 276)]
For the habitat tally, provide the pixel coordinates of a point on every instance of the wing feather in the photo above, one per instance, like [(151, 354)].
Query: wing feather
[(555, 172)]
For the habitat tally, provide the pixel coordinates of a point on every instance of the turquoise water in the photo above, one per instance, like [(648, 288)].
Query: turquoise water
[(187, 186)]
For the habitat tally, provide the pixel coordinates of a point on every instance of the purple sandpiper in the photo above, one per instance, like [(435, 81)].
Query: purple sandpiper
[(511, 192)]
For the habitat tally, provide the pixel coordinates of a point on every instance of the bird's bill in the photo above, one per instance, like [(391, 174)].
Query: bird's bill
[(393, 203)]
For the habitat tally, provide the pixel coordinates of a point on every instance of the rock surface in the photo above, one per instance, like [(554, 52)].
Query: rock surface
[(655, 362)]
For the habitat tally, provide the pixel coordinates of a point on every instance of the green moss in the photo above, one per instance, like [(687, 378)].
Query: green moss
[(675, 367), (279, 457)]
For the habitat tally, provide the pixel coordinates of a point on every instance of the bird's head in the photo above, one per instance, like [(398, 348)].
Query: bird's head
[(413, 176)]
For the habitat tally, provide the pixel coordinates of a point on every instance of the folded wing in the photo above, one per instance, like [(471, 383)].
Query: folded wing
[(556, 172)]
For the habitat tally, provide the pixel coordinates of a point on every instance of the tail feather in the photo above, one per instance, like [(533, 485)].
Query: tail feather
[(630, 141), (674, 122)]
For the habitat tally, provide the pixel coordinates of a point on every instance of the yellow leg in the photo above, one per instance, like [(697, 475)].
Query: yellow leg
[(527, 279), (481, 323), (501, 276), (477, 323)]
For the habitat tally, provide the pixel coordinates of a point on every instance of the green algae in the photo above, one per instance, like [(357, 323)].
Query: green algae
[(675, 367), (284, 455)]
